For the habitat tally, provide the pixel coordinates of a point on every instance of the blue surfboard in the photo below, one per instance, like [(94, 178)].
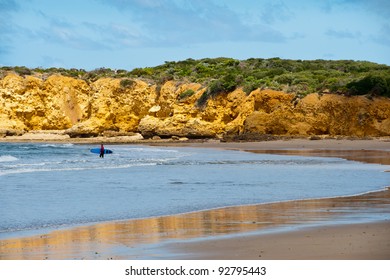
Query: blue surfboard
[(97, 151)]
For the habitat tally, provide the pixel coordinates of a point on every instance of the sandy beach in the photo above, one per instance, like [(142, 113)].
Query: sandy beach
[(367, 241), (308, 229)]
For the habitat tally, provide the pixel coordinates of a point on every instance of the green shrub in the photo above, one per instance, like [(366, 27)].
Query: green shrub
[(373, 84), (286, 79), (22, 70), (215, 87), (249, 87), (202, 101), (127, 83), (229, 82), (186, 94), (141, 72)]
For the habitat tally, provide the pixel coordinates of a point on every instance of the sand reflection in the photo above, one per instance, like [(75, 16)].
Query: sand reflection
[(128, 239)]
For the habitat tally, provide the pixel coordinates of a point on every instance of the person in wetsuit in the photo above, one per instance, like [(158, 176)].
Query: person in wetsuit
[(101, 151)]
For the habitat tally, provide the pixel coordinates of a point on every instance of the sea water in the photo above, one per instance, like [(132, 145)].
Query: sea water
[(47, 186)]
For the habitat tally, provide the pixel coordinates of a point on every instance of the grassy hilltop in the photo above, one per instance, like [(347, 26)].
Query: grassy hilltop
[(222, 75)]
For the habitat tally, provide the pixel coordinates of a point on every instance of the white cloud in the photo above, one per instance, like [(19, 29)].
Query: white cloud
[(102, 33), (169, 23), (117, 35), (343, 34), (275, 11)]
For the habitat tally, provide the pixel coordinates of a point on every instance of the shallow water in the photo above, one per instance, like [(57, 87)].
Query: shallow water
[(46, 186)]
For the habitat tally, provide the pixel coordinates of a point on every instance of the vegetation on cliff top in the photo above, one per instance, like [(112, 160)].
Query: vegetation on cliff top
[(221, 75)]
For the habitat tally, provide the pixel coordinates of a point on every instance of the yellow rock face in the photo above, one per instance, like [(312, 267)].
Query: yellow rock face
[(82, 109)]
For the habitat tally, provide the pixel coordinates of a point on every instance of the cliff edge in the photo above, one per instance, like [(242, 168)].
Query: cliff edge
[(85, 109)]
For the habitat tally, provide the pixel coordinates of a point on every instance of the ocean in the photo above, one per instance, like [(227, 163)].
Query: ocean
[(51, 186)]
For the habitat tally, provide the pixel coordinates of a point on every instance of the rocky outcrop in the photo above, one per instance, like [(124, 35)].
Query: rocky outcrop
[(84, 109)]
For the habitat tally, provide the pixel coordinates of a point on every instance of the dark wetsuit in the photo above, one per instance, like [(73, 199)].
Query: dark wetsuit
[(101, 151)]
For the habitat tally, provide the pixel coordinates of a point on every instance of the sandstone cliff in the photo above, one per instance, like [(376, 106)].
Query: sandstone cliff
[(88, 109)]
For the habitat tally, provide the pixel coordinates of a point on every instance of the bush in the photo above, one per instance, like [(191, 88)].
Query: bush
[(249, 87), (186, 94), (22, 70), (229, 82), (141, 72), (127, 83), (215, 87), (372, 84), (202, 101), (285, 79)]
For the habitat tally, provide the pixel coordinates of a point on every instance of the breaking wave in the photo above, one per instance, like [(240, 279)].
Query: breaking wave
[(8, 158)]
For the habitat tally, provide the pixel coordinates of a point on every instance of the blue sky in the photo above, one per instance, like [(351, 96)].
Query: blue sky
[(125, 34)]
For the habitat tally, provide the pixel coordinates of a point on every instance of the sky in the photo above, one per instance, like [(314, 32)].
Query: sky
[(126, 34)]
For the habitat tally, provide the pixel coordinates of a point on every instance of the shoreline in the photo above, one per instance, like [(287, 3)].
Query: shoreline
[(199, 235), (283, 142), (375, 150), (366, 151), (190, 235), (383, 193), (126, 235)]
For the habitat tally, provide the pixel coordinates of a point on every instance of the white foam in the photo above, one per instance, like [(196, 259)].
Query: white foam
[(33, 170), (8, 158), (66, 145)]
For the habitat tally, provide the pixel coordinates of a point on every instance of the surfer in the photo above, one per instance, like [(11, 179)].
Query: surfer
[(101, 151)]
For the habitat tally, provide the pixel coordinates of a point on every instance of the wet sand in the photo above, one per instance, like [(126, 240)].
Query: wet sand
[(267, 231), (367, 241), (170, 237)]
